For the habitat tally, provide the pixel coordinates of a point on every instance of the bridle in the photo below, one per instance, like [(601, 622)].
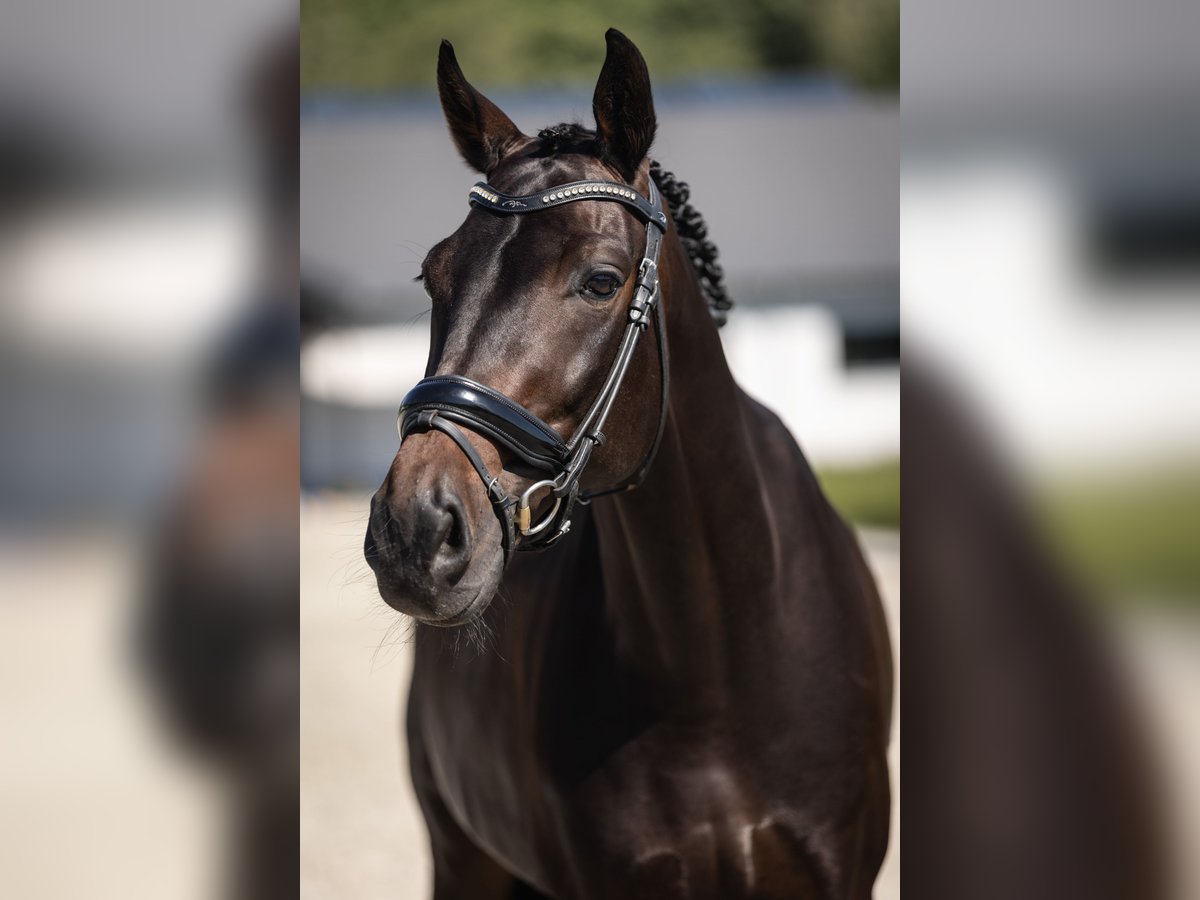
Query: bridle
[(444, 402)]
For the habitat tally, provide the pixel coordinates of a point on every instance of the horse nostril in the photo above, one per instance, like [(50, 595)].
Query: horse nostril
[(458, 538), (423, 545), (453, 553)]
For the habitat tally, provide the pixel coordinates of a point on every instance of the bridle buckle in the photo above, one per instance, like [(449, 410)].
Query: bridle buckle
[(646, 295), (525, 514)]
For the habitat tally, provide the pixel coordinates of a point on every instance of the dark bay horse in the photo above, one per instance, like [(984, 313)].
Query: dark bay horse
[(688, 694)]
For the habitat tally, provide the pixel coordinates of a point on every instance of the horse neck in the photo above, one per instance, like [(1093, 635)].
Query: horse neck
[(697, 535)]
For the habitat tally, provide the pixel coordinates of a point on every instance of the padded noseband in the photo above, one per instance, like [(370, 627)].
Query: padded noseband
[(493, 415), (446, 402)]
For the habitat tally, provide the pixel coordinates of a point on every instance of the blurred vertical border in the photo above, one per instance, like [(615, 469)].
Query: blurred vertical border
[(149, 460), (1050, 274)]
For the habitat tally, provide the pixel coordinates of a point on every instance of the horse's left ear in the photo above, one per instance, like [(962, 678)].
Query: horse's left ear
[(623, 105)]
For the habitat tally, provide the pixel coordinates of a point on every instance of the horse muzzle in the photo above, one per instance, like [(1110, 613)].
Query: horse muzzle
[(432, 540)]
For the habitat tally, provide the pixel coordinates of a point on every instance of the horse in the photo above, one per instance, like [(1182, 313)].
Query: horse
[(687, 692)]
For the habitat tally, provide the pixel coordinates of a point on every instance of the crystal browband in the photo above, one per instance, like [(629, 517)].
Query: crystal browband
[(487, 196)]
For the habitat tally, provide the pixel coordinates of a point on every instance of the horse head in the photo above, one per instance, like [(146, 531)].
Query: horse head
[(533, 309)]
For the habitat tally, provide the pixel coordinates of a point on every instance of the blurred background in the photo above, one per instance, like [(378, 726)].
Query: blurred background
[(1050, 259), (784, 119), (811, 84), (148, 453)]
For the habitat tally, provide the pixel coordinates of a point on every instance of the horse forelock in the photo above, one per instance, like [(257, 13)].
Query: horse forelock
[(572, 138), (693, 233)]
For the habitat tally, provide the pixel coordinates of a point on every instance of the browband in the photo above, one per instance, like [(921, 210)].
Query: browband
[(444, 402), (483, 194)]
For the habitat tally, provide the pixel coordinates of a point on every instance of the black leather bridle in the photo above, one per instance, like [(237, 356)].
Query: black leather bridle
[(443, 402)]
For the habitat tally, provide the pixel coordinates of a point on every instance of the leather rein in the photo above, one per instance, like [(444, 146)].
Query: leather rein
[(445, 402)]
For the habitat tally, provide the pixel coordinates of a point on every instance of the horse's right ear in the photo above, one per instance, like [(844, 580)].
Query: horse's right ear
[(623, 105), (482, 133)]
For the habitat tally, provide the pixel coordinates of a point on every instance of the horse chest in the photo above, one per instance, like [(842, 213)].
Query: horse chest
[(682, 813), (556, 761), (665, 814)]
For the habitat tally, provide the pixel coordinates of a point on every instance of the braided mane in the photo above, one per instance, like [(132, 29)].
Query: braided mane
[(694, 233), (692, 229)]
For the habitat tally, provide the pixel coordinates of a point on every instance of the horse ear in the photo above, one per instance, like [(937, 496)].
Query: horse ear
[(623, 105), (482, 133)]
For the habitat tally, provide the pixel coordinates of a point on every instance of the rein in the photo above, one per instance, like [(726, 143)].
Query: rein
[(444, 402)]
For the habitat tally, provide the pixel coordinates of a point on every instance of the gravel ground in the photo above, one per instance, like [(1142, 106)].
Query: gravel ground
[(361, 834)]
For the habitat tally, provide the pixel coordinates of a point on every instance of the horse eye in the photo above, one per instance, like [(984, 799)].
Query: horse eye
[(603, 284)]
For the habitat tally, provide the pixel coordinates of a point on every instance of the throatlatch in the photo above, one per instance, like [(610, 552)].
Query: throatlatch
[(445, 402)]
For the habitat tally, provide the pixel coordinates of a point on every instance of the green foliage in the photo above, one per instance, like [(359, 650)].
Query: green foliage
[(1137, 536), (865, 495), (389, 44), (1134, 537), (862, 39)]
